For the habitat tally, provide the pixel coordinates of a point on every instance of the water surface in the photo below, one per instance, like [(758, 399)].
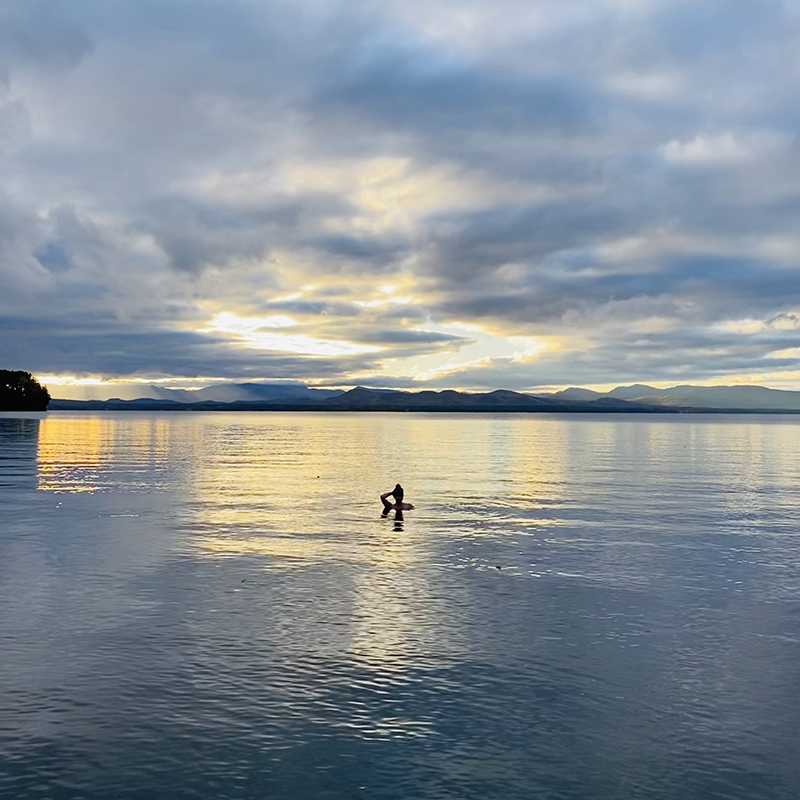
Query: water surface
[(211, 606)]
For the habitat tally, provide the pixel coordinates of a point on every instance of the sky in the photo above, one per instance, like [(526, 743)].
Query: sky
[(470, 194)]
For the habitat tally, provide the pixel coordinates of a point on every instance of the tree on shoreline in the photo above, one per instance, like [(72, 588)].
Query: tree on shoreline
[(20, 391)]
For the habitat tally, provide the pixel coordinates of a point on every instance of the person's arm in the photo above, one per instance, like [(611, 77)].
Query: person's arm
[(386, 504)]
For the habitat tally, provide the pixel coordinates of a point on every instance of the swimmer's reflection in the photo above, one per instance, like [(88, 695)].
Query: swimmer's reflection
[(398, 518)]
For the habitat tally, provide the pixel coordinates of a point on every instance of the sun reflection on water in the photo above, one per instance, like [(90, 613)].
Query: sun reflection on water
[(86, 454)]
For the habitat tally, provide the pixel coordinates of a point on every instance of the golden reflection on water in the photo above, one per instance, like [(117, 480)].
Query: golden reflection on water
[(72, 453), (301, 492), (290, 491), (79, 453)]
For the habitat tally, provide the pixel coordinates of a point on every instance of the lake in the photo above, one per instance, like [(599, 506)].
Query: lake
[(580, 606)]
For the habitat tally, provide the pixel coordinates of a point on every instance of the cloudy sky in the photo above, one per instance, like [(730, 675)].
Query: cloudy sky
[(451, 193)]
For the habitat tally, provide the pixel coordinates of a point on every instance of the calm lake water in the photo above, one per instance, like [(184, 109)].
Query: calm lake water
[(211, 606)]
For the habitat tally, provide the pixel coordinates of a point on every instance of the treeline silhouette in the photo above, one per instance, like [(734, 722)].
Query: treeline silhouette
[(20, 391)]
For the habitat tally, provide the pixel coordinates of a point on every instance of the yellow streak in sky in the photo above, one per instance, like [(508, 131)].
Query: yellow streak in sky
[(250, 331)]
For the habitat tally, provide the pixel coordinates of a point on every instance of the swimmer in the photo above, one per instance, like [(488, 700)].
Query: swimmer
[(398, 505)]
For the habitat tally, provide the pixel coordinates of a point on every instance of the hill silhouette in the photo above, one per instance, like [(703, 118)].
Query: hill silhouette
[(364, 399), (638, 398)]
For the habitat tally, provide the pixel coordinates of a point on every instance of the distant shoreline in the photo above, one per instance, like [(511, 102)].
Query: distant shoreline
[(172, 407), (634, 399)]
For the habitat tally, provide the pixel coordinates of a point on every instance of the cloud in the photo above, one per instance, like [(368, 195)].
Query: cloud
[(724, 148), (39, 35), (618, 177)]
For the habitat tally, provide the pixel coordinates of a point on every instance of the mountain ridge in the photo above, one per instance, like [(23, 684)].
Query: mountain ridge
[(634, 398)]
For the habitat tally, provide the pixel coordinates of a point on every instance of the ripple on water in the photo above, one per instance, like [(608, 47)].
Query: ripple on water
[(203, 605)]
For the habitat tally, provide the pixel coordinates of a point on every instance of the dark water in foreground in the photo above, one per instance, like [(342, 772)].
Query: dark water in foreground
[(210, 606)]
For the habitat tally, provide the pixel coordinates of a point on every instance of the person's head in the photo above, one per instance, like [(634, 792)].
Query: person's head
[(397, 493)]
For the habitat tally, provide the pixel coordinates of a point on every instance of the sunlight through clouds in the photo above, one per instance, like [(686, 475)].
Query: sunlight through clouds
[(250, 332)]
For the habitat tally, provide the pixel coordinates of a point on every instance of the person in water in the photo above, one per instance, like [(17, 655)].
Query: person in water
[(398, 505)]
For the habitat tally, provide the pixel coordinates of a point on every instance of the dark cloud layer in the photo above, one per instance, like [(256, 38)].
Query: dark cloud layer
[(620, 179)]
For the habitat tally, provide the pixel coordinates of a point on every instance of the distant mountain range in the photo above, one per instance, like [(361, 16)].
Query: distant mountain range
[(638, 398), (226, 393), (745, 398)]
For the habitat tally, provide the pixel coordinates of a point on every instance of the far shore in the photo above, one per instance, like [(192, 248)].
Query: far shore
[(156, 405)]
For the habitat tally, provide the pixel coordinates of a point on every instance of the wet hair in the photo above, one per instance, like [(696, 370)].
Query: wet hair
[(397, 493)]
